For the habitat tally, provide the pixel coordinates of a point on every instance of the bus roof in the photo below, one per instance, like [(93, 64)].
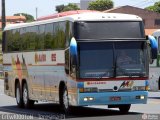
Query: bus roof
[(88, 16), (67, 13)]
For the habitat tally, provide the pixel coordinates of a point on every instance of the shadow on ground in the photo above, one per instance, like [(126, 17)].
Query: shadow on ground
[(53, 109)]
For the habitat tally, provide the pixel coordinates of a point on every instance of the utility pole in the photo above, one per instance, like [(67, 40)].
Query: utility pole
[(36, 13), (3, 15), (3, 24)]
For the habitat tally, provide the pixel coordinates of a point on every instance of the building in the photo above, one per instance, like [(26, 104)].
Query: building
[(13, 20), (84, 4), (151, 19)]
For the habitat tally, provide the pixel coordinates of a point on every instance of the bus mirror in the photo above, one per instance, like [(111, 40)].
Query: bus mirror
[(73, 51), (154, 47)]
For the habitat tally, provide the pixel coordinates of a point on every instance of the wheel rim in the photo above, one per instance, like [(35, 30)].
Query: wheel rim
[(65, 99), (18, 95), (25, 95)]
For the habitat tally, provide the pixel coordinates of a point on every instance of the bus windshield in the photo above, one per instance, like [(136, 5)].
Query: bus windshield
[(108, 29), (112, 59)]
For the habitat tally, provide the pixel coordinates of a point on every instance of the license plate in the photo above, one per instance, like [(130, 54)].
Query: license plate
[(115, 98)]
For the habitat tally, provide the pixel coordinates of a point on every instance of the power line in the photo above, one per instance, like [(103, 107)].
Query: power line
[(139, 3), (145, 3)]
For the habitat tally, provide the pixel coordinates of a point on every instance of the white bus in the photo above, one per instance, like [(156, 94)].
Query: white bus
[(155, 67), (73, 60)]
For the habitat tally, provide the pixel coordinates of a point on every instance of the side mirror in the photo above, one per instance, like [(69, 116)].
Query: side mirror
[(73, 51), (154, 47)]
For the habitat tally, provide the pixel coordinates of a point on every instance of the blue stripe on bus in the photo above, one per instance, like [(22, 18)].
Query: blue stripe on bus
[(104, 98), (146, 83), (80, 84)]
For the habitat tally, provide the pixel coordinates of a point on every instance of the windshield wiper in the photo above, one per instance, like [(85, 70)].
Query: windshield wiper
[(133, 74), (101, 76), (124, 72)]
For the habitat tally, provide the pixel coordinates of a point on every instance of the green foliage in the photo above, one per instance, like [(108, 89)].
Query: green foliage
[(59, 8), (70, 6), (155, 7), (29, 18), (100, 5)]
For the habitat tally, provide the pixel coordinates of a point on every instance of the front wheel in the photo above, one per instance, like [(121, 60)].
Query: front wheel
[(27, 102), (64, 100), (124, 108)]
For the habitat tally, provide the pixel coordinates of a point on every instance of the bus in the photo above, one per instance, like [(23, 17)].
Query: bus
[(155, 66), (73, 60)]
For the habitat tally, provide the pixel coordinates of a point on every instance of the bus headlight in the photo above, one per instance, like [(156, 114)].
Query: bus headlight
[(141, 97), (88, 99)]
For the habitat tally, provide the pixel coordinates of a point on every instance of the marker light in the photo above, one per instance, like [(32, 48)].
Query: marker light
[(142, 97), (85, 99), (91, 99)]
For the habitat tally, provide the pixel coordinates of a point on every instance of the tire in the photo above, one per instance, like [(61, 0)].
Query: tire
[(27, 102), (124, 108), (19, 98), (64, 100)]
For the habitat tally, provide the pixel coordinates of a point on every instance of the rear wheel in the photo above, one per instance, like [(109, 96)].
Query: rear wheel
[(124, 108), (19, 98), (27, 102), (64, 100)]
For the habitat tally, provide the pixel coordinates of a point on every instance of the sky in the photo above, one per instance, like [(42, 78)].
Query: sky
[(47, 7)]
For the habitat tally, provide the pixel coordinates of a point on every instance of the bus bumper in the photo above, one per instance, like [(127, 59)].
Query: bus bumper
[(113, 98)]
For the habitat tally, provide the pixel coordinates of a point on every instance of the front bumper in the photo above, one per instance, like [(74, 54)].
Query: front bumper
[(104, 98)]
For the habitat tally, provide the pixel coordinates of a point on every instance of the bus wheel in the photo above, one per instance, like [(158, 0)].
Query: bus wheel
[(27, 102), (19, 98), (64, 100), (124, 108)]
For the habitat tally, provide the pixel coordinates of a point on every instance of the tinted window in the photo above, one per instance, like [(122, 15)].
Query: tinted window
[(61, 34), (14, 42), (111, 59), (40, 37), (68, 32), (23, 37), (48, 36), (104, 30), (31, 37), (157, 21), (9, 37), (40, 40), (94, 60)]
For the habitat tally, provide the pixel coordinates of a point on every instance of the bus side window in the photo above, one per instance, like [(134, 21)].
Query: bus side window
[(40, 40), (15, 41), (48, 36), (67, 61), (9, 41)]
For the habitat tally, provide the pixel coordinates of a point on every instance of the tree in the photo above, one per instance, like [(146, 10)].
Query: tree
[(70, 6), (100, 5), (29, 18), (155, 7), (59, 8)]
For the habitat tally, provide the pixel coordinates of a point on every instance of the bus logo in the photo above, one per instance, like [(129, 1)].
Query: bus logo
[(127, 84), (40, 58)]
